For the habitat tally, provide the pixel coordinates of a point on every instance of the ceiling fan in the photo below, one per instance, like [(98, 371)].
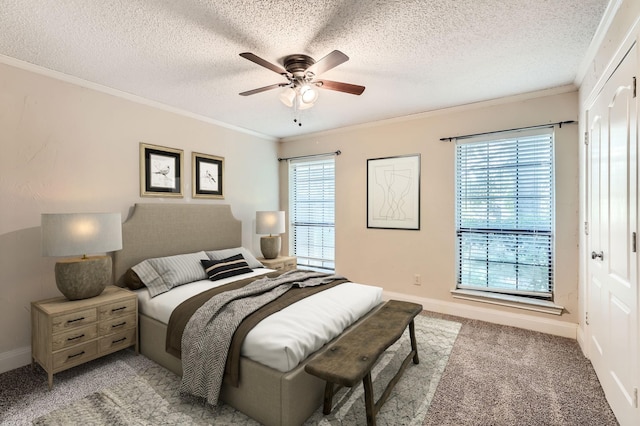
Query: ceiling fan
[(301, 72)]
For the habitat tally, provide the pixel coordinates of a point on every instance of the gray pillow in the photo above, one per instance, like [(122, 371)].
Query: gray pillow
[(248, 257), (161, 274)]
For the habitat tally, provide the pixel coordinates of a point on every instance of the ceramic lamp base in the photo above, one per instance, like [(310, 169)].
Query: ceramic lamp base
[(270, 246), (83, 278)]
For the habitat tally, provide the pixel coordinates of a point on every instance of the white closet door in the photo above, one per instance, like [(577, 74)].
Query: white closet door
[(612, 279)]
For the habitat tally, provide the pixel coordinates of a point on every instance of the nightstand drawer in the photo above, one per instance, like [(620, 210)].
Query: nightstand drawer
[(118, 341), (117, 309), (117, 324), (76, 319), (280, 263), (291, 263), (74, 337), (76, 355)]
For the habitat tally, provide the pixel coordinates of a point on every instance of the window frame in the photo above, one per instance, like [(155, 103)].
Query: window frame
[(490, 140), (317, 229)]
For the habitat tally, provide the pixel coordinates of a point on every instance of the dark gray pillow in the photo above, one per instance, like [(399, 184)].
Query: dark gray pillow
[(225, 268)]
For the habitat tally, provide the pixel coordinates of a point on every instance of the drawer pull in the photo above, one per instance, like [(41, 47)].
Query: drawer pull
[(119, 325), (118, 341), (75, 355), (74, 320), (118, 309), (75, 338)]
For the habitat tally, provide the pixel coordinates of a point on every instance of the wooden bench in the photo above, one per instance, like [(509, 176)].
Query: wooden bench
[(350, 358)]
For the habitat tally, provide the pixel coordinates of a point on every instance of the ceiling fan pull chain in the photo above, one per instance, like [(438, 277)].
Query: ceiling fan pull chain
[(297, 112)]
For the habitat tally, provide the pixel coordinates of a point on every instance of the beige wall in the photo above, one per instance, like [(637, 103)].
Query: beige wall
[(390, 258), (67, 148)]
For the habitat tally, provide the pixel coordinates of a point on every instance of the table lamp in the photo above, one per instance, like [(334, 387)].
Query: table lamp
[(79, 234), (270, 223)]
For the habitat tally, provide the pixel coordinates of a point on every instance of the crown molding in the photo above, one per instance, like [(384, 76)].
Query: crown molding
[(17, 63)]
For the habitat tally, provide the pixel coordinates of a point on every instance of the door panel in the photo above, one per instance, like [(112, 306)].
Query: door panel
[(619, 175), (621, 346), (612, 278)]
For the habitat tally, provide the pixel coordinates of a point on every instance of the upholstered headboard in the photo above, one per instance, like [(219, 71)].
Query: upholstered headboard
[(157, 230)]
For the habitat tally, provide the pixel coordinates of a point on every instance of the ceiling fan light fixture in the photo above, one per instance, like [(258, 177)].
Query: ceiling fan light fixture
[(308, 94), (288, 96), (300, 104), (301, 90)]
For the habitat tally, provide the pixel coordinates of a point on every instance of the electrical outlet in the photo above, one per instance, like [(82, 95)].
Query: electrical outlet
[(417, 280)]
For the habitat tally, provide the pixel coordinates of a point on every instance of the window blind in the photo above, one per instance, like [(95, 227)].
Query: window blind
[(312, 210), (504, 213)]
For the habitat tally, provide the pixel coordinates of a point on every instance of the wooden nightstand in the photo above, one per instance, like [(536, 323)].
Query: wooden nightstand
[(66, 333), (280, 263)]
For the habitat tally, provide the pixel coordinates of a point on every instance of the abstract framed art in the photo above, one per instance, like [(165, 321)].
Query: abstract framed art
[(160, 171), (207, 176), (393, 192)]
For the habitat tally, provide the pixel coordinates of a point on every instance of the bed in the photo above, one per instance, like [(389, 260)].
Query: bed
[(156, 230)]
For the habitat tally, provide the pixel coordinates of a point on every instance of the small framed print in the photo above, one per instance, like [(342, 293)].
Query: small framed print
[(207, 176), (160, 171)]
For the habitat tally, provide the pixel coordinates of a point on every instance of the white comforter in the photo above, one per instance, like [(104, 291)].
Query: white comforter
[(282, 340)]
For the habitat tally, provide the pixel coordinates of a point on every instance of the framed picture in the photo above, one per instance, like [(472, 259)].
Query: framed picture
[(207, 176), (160, 171), (393, 192)]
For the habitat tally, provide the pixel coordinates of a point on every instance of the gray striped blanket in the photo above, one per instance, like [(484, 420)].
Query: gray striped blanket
[(207, 335)]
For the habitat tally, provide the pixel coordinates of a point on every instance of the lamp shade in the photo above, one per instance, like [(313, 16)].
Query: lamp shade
[(300, 104), (287, 96), (74, 234), (269, 222), (308, 94)]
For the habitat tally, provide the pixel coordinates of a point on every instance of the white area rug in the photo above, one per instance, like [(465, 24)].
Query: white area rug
[(151, 397)]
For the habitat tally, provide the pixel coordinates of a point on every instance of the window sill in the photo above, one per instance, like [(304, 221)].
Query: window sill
[(519, 302)]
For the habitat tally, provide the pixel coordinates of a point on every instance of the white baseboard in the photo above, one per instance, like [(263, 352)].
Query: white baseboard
[(15, 358), (528, 322), (581, 338)]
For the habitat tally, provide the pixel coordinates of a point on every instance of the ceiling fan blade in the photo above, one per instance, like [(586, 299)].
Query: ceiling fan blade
[(353, 89), (258, 60), (332, 60), (263, 89)]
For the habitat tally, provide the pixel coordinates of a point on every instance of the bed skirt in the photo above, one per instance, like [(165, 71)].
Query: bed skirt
[(267, 395)]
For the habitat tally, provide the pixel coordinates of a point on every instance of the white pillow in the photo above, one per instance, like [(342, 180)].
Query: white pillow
[(248, 257), (161, 274)]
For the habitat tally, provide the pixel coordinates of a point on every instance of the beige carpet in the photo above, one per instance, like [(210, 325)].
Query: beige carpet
[(151, 397), (503, 376)]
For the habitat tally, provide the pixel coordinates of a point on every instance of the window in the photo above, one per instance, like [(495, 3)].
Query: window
[(312, 211), (504, 213)]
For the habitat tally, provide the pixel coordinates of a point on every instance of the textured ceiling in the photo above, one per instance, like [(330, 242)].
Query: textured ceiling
[(412, 56)]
